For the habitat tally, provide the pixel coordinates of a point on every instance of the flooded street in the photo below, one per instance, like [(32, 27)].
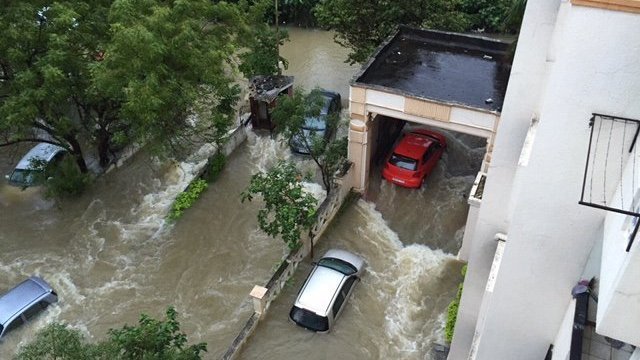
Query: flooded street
[(111, 255), (409, 239), (315, 60), (396, 311)]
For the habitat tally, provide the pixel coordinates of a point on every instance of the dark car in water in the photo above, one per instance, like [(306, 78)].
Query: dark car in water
[(318, 126)]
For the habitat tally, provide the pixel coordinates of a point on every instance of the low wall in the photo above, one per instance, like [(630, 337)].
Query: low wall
[(234, 138), (263, 296)]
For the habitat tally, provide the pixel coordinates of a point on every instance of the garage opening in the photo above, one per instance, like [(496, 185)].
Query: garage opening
[(434, 214)]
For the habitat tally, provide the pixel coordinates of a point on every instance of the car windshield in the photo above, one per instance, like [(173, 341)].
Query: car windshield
[(315, 123), (403, 162), (23, 177), (309, 319), (338, 265)]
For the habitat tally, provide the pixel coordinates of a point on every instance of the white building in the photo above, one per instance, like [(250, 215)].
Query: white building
[(574, 58)]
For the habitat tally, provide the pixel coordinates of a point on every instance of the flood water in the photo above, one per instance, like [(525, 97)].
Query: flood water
[(111, 254), (409, 239), (315, 60)]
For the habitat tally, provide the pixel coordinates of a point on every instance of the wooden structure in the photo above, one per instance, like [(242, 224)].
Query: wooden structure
[(264, 91)]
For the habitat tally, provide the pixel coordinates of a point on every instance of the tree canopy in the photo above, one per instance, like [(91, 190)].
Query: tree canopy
[(104, 73), (288, 208), (362, 25)]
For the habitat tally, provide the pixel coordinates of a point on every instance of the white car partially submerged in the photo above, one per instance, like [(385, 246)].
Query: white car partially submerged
[(326, 290), (27, 172)]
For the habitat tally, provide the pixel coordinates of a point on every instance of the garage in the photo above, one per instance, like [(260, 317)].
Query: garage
[(452, 84)]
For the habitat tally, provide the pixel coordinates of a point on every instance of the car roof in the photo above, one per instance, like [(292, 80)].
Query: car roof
[(327, 96), (42, 151), (319, 290), (21, 296), (413, 145)]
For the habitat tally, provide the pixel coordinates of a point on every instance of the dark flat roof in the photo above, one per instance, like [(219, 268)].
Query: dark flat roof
[(445, 67)]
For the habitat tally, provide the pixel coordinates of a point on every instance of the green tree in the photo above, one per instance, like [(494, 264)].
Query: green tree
[(44, 57), (110, 72), (514, 15), (290, 116), (178, 69), (150, 339), (56, 341), (261, 41), (288, 208), (487, 15), (362, 25)]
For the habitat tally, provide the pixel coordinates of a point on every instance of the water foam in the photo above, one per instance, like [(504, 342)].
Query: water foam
[(403, 279), (266, 151)]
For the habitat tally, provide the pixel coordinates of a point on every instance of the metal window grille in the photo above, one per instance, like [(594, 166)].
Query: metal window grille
[(611, 178)]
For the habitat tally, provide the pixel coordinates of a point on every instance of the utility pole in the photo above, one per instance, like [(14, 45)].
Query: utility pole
[(278, 41)]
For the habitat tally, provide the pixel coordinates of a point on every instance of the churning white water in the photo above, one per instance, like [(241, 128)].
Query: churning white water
[(396, 311)]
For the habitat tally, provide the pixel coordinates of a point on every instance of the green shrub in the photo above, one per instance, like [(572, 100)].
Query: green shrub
[(187, 198), (452, 310), (214, 167), (149, 339), (64, 179)]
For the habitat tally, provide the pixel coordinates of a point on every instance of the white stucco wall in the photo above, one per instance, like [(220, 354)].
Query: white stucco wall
[(562, 342), (528, 74), (619, 301), (594, 68)]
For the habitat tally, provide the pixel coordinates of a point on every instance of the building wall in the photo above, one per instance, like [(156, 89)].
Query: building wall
[(562, 342), (528, 75), (619, 302), (592, 66)]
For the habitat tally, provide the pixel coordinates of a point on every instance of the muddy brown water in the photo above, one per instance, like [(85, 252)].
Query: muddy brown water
[(111, 254)]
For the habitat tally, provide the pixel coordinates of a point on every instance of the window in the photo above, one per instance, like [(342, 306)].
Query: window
[(342, 294), (23, 177), (403, 162), (432, 150), (34, 309), (14, 324), (338, 265), (309, 319), (338, 303)]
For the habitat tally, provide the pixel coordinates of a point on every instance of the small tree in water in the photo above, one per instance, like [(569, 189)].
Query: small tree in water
[(290, 116), (288, 209)]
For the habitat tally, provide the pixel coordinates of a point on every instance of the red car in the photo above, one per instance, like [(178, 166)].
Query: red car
[(414, 158)]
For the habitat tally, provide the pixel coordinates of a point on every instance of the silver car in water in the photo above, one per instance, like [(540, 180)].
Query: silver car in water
[(23, 302), (326, 290), (28, 171)]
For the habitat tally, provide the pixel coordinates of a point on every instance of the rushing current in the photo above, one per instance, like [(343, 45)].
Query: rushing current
[(112, 254)]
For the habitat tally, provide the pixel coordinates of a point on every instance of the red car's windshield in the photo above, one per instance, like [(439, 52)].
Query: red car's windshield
[(403, 162)]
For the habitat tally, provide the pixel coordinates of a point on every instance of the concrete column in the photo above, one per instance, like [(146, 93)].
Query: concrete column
[(258, 297), (357, 153), (474, 201)]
